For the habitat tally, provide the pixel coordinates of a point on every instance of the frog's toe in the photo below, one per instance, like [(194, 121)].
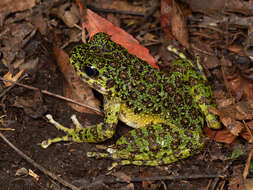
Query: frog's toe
[(48, 142), (45, 143), (98, 155)]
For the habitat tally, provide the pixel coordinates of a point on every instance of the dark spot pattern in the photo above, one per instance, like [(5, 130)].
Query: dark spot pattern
[(140, 86)]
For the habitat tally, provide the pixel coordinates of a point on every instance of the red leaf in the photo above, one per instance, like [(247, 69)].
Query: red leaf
[(95, 23)]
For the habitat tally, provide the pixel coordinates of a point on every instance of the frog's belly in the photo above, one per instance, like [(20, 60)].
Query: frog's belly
[(138, 120)]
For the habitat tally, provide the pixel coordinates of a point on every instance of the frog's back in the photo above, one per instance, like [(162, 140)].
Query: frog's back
[(143, 90)]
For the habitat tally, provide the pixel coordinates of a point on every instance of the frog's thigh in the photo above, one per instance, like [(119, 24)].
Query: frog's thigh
[(154, 145)]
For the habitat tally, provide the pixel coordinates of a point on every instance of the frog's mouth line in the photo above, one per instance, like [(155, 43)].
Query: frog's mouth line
[(99, 88), (96, 86)]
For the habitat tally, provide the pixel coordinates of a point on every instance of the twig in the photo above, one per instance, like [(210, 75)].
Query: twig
[(215, 181), (54, 95), (41, 168), (10, 87), (246, 169), (171, 178), (127, 12)]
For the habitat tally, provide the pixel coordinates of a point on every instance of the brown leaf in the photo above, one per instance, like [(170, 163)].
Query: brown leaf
[(236, 182), (40, 23), (166, 14), (33, 107), (223, 135), (123, 176), (233, 126), (75, 88), (178, 26), (237, 49), (13, 78), (242, 110), (238, 82), (248, 184), (247, 135), (95, 23), (10, 6), (69, 14), (121, 6)]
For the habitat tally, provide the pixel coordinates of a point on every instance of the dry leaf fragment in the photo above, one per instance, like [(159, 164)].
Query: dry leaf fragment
[(166, 14), (236, 182), (242, 110), (121, 6), (233, 126), (222, 135), (33, 107), (123, 176), (178, 26), (9, 76), (69, 14), (10, 6), (75, 88)]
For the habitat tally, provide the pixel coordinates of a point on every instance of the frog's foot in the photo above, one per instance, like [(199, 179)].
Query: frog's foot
[(179, 54), (70, 132), (153, 145), (141, 159)]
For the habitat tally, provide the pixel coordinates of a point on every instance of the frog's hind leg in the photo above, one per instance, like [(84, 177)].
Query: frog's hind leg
[(154, 145), (200, 90)]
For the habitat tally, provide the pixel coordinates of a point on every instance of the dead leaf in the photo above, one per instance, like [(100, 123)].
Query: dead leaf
[(75, 88), (40, 23), (178, 26), (248, 184), (166, 14), (237, 49), (121, 6), (122, 176), (10, 6), (222, 135), (247, 134), (69, 14), (230, 116), (9, 76), (224, 102), (33, 107), (238, 82), (95, 23), (14, 39), (236, 182), (113, 19), (233, 126), (242, 110)]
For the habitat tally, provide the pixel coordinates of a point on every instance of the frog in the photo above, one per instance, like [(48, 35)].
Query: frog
[(166, 109)]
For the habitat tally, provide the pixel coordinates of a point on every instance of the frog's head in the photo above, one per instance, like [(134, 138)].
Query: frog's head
[(92, 70)]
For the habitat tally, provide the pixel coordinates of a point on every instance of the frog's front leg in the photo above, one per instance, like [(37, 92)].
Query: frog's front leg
[(93, 134)]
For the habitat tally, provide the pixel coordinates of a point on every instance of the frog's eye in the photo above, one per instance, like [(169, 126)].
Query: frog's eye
[(91, 71)]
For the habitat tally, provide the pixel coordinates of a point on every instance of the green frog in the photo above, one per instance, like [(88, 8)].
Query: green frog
[(166, 109)]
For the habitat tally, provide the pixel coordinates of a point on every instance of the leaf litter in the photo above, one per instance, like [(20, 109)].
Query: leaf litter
[(193, 27)]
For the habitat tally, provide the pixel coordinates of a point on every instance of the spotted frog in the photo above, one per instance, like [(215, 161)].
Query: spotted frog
[(167, 109)]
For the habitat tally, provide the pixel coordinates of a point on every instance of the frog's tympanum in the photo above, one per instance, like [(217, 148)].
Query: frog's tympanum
[(167, 109)]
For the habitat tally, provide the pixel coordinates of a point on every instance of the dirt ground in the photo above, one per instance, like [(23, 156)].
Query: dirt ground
[(36, 36)]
